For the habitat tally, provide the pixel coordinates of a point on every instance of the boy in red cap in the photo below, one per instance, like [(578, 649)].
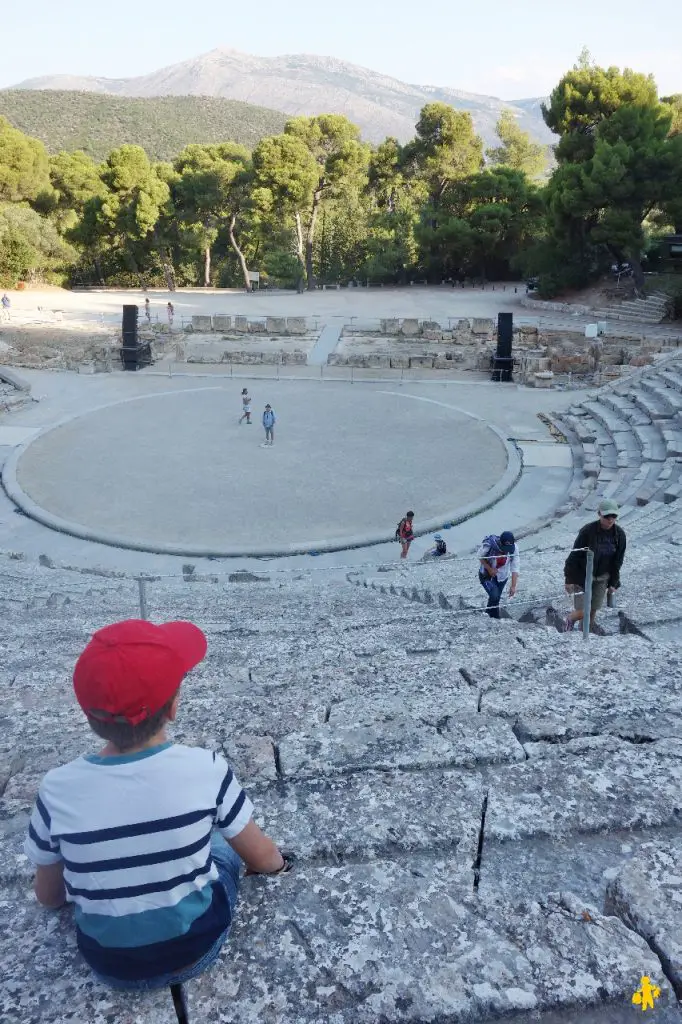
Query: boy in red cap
[(146, 837)]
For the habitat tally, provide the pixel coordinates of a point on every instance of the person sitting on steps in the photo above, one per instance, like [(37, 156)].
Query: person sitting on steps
[(145, 837)]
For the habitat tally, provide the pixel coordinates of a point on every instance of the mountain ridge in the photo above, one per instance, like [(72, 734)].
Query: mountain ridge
[(305, 84)]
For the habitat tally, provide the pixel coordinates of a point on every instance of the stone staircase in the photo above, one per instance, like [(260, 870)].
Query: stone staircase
[(627, 440), (484, 814), (651, 310)]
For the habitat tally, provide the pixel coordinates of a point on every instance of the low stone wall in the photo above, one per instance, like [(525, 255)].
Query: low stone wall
[(471, 345), (543, 305), (188, 351), (223, 322)]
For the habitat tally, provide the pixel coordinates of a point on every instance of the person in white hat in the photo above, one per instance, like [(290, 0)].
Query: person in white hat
[(607, 540)]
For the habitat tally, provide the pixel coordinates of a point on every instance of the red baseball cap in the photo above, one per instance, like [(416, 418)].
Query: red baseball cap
[(130, 669)]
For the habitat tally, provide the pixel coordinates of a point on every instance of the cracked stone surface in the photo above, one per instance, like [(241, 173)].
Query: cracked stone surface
[(647, 895), (461, 796)]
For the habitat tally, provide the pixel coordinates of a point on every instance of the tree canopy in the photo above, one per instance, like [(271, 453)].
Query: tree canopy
[(314, 204)]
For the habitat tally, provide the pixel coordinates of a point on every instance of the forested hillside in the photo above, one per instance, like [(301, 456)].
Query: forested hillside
[(314, 203), (162, 125)]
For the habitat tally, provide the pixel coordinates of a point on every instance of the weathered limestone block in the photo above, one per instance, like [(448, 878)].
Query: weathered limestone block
[(336, 359), (296, 358), (296, 325), (431, 325), (430, 706), (431, 335), (379, 932), (463, 325), (421, 361), (241, 324), (252, 758), (448, 336), (391, 326), (275, 325), (200, 322), (592, 784), (398, 743), (222, 322), (204, 351), (257, 327), (442, 363), (273, 358), (645, 896), (527, 330), (179, 352), (400, 362), (340, 813), (410, 328), (543, 379), (378, 361), (482, 325)]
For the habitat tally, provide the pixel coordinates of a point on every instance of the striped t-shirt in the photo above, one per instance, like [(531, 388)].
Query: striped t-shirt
[(134, 834)]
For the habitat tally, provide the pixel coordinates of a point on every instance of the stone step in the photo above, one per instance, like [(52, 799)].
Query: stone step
[(671, 376), (651, 442), (625, 408), (364, 942), (650, 404), (673, 442), (672, 492), (612, 422), (668, 397)]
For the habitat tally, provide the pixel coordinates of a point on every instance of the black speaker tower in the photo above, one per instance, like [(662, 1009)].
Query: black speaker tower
[(133, 354), (503, 361)]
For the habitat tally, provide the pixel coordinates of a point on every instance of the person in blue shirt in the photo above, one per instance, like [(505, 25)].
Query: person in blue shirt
[(438, 550), (269, 420)]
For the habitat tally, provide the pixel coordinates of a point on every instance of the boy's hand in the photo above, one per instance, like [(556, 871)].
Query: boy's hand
[(287, 866)]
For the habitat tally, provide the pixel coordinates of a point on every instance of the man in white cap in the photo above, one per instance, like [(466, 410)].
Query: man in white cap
[(607, 540)]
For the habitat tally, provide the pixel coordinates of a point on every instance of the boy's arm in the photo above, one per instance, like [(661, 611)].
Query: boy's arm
[(257, 850), (48, 885)]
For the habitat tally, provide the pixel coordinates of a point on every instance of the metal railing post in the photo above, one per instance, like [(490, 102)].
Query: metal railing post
[(142, 586), (587, 600)]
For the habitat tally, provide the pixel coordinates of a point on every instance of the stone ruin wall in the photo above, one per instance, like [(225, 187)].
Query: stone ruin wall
[(469, 344)]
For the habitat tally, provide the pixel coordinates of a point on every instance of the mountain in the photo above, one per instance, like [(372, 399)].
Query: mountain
[(305, 84), (98, 122)]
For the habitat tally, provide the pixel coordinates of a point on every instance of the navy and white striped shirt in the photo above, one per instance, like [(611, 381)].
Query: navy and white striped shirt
[(134, 834)]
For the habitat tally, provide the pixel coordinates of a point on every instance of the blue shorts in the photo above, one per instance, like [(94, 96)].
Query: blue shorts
[(228, 864)]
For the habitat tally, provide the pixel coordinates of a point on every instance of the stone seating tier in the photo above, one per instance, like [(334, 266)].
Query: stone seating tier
[(486, 815), (464, 797)]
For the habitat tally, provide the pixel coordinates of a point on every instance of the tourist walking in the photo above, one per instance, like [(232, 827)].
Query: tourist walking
[(170, 310), (6, 305), (405, 534), (246, 406), (269, 420), (148, 309), (438, 549), (498, 558), (607, 540)]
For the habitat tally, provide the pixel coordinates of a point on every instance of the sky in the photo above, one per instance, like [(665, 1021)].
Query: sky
[(508, 49)]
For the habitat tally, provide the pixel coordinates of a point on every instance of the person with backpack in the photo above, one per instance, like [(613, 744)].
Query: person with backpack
[(438, 550), (405, 534), (498, 558)]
